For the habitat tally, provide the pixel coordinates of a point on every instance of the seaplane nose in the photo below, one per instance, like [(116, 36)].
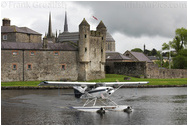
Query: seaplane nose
[(110, 91)]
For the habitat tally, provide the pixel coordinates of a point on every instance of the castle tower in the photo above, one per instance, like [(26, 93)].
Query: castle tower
[(91, 53), (65, 23), (102, 29), (83, 47)]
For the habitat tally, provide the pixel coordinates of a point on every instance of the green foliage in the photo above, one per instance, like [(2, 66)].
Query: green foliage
[(147, 52), (165, 46), (181, 33), (136, 50), (21, 83), (154, 52), (179, 43), (158, 62), (180, 61), (163, 64)]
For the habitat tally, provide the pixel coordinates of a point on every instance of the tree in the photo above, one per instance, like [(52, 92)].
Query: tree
[(181, 34), (166, 46), (180, 61), (153, 52), (136, 50), (147, 52), (179, 43)]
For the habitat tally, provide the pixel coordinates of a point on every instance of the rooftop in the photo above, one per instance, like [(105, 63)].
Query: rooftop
[(139, 56), (74, 37), (116, 56), (65, 46), (13, 28)]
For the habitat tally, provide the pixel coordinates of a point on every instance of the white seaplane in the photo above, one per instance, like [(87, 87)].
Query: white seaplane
[(96, 91)]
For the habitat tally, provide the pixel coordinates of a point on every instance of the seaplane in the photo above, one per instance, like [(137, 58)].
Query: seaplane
[(96, 92)]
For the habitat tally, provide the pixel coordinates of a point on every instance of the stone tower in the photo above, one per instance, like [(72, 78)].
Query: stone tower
[(83, 47), (91, 53), (101, 28)]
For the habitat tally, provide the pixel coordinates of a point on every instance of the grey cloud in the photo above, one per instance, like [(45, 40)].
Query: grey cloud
[(141, 18)]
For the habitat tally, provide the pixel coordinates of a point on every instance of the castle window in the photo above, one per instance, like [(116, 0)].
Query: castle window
[(85, 36), (32, 53), (29, 66), (102, 38), (14, 52), (4, 37), (85, 49), (56, 53), (14, 66), (63, 67)]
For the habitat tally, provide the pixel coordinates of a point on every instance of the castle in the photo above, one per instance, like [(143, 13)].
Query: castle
[(69, 56)]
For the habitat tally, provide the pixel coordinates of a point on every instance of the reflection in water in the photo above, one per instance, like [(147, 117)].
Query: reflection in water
[(151, 106)]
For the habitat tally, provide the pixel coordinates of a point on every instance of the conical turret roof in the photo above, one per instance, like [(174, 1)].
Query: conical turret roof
[(84, 22), (101, 25)]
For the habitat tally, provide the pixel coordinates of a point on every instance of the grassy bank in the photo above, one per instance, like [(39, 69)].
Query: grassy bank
[(115, 77), (110, 78)]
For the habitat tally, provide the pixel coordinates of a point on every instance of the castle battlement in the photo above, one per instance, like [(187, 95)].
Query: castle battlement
[(95, 33)]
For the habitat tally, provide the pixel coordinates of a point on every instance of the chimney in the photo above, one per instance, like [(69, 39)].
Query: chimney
[(6, 22)]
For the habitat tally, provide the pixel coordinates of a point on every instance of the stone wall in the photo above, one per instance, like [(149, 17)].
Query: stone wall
[(153, 71), (7, 62), (11, 37), (45, 65), (110, 46), (21, 37), (147, 70), (135, 69)]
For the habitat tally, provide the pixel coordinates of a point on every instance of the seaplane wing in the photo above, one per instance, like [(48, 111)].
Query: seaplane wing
[(125, 83), (59, 83)]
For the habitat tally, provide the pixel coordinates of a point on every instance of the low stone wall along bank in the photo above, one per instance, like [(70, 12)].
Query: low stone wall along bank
[(147, 70)]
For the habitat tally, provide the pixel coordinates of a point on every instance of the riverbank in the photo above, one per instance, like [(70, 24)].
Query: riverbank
[(177, 82)]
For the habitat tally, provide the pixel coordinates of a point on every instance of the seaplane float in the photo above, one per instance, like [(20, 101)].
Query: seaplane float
[(93, 92)]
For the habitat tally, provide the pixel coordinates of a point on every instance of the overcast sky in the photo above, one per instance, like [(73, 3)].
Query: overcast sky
[(132, 24)]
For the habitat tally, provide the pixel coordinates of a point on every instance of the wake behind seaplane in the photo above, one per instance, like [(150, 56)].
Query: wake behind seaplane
[(93, 92)]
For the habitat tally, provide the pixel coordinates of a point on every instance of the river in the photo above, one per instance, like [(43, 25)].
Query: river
[(152, 106)]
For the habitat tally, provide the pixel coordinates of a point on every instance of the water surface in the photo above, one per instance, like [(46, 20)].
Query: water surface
[(152, 106)]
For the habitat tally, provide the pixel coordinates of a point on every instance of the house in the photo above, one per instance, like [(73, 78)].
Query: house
[(137, 56), (13, 33), (112, 57)]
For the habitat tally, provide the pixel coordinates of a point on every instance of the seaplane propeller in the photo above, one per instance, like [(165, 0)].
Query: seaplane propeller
[(92, 92)]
